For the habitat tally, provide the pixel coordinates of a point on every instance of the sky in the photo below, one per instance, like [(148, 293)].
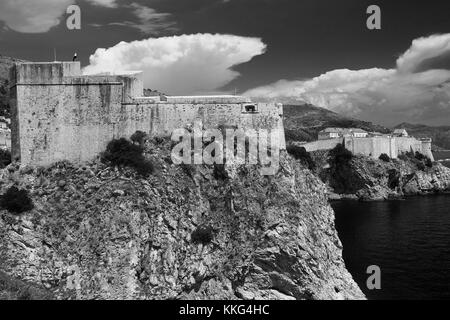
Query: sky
[(289, 51)]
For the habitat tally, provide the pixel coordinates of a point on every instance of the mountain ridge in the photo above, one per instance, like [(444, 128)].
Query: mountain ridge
[(303, 122)]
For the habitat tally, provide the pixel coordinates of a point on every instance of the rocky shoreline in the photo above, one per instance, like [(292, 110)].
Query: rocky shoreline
[(376, 180)]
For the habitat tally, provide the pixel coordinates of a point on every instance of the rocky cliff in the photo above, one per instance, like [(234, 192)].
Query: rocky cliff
[(186, 232), (368, 179)]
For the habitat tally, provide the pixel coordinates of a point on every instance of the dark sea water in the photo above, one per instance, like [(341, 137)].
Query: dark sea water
[(409, 240), (442, 155)]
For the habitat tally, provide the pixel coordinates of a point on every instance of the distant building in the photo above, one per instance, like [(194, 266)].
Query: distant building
[(333, 133), (329, 133), (358, 133), (371, 144), (400, 133)]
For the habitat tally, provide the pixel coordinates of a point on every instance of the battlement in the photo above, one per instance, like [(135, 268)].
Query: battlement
[(25, 73), (60, 114)]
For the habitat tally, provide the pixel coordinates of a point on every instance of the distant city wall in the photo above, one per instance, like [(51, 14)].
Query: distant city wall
[(322, 144), (375, 146), (58, 114)]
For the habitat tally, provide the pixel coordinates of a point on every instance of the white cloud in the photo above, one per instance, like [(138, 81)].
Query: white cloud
[(423, 49), (32, 16), (149, 21), (104, 3), (410, 92), (185, 64)]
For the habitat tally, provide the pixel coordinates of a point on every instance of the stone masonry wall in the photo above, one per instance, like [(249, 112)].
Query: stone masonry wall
[(374, 146), (58, 114)]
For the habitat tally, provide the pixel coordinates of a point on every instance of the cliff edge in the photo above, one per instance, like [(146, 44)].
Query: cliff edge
[(186, 232), (369, 179)]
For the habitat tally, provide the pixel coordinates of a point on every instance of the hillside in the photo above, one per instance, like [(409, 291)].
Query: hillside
[(185, 232), (5, 64), (303, 122), (440, 135)]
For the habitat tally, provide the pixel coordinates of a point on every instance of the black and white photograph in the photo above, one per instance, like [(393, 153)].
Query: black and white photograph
[(223, 156)]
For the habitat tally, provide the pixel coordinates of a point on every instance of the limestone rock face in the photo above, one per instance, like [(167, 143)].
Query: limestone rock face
[(185, 233), (434, 180), (375, 180)]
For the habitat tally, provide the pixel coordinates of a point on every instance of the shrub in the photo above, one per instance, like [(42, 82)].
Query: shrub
[(139, 137), (420, 156), (394, 179), (420, 166), (159, 140), (203, 235), (16, 201), (340, 155), (403, 157), (419, 159), (300, 153), (384, 157), (124, 153), (5, 158), (219, 172)]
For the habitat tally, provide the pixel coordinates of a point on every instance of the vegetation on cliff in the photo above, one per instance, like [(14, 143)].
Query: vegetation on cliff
[(365, 178), (100, 232)]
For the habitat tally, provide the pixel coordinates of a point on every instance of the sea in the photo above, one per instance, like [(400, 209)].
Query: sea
[(443, 157), (409, 240)]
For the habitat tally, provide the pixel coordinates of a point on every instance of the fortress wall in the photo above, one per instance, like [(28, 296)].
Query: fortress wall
[(161, 119), (408, 144), (426, 149), (375, 146), (64, 122), (322, 144), (48, 73), (57, 115), (372, 146)]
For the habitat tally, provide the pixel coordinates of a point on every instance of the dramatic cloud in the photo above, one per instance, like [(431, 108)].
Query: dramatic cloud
[(418, 90), (32, 16), (104, 3), (149, 21), (186, 64), (423, 52), (39, 16)]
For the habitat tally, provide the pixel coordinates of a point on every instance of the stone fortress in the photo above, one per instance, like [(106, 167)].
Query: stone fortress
[(371, 144), (59, 114)]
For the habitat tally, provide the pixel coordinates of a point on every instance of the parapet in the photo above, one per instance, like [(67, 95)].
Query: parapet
[(27, 73), (221, 99), (69, 74)]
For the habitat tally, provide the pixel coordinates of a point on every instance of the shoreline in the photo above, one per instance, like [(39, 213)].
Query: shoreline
[(354, 197)]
